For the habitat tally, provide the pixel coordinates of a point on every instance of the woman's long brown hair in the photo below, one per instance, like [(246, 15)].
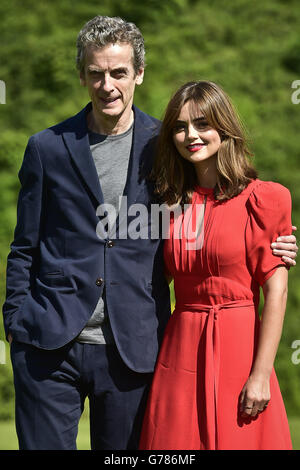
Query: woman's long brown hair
[(175, 177)]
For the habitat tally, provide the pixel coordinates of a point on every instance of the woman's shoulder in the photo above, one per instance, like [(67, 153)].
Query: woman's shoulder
[(268, 194)]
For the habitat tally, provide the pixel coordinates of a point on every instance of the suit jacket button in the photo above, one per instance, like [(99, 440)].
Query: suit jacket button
[(110, 244), (99, 281)]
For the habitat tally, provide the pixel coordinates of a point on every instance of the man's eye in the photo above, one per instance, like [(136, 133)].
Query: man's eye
[(94, 73), (120, 74)]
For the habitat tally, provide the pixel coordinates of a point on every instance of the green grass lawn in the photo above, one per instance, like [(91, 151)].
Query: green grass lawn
[(8, 438)]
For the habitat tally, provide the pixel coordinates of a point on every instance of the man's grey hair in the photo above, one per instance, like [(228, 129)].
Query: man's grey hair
[(103, 30)]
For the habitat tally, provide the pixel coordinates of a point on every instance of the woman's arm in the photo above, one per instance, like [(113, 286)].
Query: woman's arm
[(256, 392)]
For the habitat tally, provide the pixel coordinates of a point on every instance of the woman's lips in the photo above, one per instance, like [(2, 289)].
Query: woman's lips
[(195, 147)]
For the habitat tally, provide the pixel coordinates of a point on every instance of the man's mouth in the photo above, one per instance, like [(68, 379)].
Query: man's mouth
[(109, 100)]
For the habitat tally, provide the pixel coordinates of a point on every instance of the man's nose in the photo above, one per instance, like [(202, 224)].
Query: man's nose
[(107, 84)]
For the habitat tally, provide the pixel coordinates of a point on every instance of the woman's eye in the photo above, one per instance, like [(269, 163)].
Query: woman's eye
[(178, 128), (203, 125)]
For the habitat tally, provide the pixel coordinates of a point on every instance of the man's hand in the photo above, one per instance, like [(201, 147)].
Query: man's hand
[(287, 248), (9, 337)]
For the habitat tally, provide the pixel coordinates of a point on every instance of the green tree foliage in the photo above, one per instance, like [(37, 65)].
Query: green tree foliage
[(252, 49)]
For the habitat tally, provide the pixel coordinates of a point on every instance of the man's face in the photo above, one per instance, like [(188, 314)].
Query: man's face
[(110, 78)]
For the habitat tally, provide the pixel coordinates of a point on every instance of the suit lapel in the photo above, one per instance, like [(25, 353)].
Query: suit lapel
[(77, 141), (141, 156)]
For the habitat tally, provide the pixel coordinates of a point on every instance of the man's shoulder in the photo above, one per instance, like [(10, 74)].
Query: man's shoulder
[(147, 120), (75, 123)]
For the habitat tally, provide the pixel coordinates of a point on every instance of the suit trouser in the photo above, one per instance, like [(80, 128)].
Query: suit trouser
[(51, 387)]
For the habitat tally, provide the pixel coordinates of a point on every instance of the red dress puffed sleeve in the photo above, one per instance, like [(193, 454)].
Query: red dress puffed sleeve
[(269, 208)]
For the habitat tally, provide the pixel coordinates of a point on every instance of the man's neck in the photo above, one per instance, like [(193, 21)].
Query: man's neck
[(110, 126)]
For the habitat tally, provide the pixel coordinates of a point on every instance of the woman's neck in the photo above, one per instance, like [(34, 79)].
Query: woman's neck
[(206, 172)]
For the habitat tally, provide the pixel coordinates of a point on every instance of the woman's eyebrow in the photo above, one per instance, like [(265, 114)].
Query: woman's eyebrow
[(195, 119), (200, 118)]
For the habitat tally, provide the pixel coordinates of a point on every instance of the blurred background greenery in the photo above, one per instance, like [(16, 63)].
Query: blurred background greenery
[(251, 48)]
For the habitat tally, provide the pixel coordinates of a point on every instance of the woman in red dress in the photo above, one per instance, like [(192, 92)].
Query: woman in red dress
[(214, 386)]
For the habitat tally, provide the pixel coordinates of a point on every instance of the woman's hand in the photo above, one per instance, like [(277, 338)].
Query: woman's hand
[(255, 396)]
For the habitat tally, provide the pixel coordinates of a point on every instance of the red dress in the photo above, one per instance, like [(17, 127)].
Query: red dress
[(210, 340)]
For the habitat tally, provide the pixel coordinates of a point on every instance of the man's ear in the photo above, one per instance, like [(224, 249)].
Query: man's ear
[(140, 76), (82, 79)]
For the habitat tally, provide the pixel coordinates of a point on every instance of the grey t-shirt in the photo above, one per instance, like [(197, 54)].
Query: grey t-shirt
[(111, 155)]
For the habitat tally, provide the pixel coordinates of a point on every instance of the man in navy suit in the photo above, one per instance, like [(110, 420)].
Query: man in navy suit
[(84, 312)]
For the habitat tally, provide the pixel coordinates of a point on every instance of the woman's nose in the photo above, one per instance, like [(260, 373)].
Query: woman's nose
[(192, 132)]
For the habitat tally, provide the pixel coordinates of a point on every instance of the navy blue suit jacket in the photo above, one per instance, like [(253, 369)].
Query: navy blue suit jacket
[(56, 256)]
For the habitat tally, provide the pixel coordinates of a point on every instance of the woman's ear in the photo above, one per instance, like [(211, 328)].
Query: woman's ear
[(222, 135)]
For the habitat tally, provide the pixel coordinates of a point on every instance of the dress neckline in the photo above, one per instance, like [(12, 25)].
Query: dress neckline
[(206, 191)]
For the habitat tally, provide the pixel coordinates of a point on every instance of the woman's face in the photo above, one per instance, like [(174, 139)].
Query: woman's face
[(194, 139)]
